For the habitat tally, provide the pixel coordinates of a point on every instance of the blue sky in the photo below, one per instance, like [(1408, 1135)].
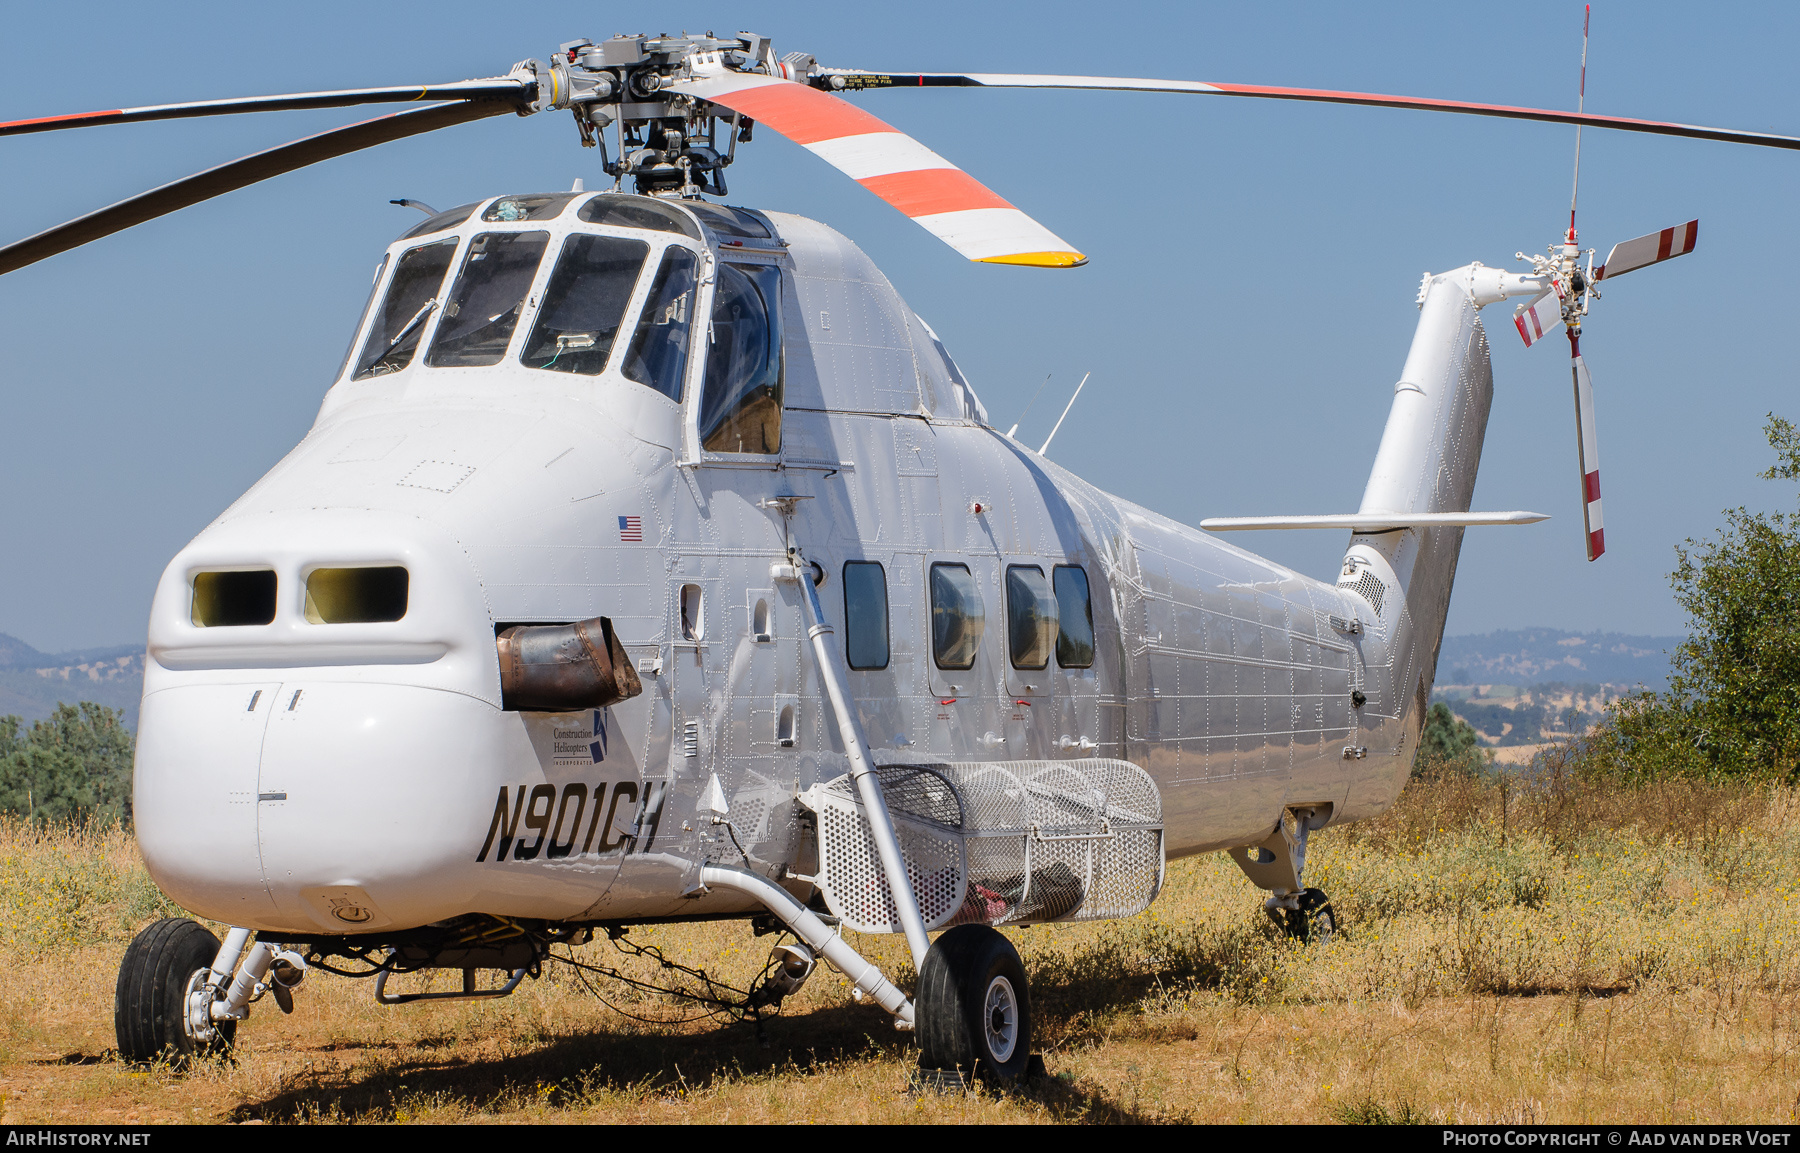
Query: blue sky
[(1246, 311)]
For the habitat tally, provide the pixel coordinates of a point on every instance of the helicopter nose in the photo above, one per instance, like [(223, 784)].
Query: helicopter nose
[(313, 804), (321, 700)]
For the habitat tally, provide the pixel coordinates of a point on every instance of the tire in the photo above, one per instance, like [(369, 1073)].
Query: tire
[(1315, 920), (149, 1003), (973, 1009)]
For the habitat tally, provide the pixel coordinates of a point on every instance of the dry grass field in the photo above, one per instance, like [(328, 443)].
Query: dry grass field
[(1572, 953)]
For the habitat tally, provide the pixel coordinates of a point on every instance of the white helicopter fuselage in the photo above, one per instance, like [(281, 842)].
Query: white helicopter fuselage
[(306, 777)]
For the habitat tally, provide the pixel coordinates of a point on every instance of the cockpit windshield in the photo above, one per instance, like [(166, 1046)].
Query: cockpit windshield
[(484, 306), (400, 321), (584, 304)]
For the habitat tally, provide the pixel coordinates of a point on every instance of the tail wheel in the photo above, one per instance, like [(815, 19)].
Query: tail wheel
[(162, 966), (1314, 920), (973, 1009)]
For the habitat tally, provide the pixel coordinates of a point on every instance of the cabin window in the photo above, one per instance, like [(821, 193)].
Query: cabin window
[(584, 304), (865, 614), (347, 596), (490, 293), (740, 410), (1030, 617), (1075, 618), (659, 348), (449, 218), (411, 297), (613, 210), (223, 599), (957, 616), (726, 220), (540, 207)]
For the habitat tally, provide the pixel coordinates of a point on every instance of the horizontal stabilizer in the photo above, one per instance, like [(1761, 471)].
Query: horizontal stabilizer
[(1370, 521)]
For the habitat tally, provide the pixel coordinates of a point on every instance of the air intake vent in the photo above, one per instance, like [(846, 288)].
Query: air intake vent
[(347, 596), (1368, 586), (690, 739), (234, 598)]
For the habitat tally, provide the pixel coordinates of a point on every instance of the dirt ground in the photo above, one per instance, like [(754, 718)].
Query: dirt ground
[(1644, 1057)]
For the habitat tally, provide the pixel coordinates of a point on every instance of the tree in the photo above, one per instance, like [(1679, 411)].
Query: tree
[(1447, 742), (74, 765), (1732, 707)]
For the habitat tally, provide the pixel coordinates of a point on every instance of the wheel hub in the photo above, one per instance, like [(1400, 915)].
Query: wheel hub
[(1001, 1019), (197, 999)]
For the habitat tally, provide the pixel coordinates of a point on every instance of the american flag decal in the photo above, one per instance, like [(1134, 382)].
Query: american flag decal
[(631, 528)]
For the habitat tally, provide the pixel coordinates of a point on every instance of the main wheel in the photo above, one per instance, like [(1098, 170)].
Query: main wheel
[(973, 1010), (161, 966)]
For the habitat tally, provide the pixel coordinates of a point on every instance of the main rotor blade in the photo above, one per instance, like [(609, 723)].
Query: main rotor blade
[(492, 88), (1587, 445), (859, 80), (936, 194), (240, 173)]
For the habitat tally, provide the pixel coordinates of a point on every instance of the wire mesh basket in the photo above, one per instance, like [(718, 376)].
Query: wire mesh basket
[(997, 843)]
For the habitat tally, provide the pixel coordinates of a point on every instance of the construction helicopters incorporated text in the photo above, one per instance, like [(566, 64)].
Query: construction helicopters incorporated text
[(650, 559)]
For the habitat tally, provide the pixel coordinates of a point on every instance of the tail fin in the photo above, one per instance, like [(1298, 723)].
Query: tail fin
[(1426, 464)]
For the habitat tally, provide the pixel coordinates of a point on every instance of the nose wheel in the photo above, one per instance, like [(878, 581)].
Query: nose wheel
[(973, 1007), (163, 967)]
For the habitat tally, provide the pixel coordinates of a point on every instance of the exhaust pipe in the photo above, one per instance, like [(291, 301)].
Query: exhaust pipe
[(562, 668)]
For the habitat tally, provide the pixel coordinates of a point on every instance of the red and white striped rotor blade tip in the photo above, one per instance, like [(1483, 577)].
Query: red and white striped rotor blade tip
[(1538, 316), (937, 195), (1588, 445), (1655, 248)]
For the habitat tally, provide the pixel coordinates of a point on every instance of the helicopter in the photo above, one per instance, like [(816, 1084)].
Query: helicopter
[(641, 562)]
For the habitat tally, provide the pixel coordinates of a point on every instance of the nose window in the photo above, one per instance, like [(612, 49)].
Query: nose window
[(484, 306), (348, 596), (585, 304), (411, 297), (234, 598)]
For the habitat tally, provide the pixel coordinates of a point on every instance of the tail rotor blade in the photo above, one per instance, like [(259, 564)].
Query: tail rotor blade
[(1538, 316), (937, 195), (1588, 446), (1630, 255)]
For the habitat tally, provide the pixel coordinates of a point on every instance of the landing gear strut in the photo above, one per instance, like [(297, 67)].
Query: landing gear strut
[(1276, 865), (181, 992)]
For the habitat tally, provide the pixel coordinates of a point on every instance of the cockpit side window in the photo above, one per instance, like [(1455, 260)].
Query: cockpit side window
[(484, 306), (374, 287), (740, 409), (411, 297), (659, 348), (584, 304)]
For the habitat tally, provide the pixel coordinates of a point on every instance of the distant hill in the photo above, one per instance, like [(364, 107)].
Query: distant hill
[(1533, 656), (32, 684)]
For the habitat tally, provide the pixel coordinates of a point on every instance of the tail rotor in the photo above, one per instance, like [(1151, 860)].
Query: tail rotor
[(1567, 300)]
